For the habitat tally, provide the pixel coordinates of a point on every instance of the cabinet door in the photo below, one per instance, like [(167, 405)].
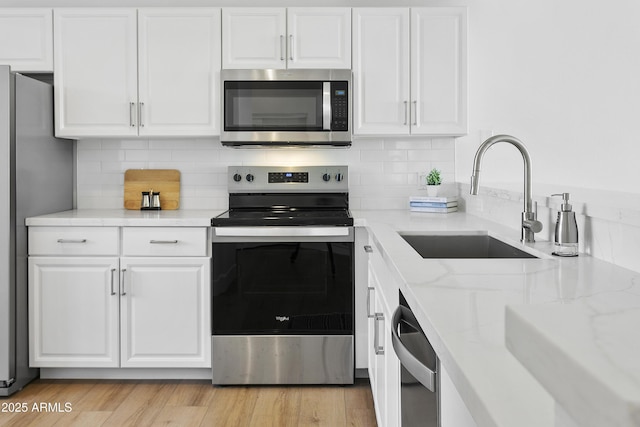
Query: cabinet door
[(254, 37), (381, 71), (73, 312), (26, 39), (391, 372), (319, 37), (95, 72), (165, 312), (439, 70), (179, 71)]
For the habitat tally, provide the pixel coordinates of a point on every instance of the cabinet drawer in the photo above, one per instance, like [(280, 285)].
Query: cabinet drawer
[(73, 241), (164, 241)]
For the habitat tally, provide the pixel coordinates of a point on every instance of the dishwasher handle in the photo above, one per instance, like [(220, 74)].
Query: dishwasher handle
[(422, 373)]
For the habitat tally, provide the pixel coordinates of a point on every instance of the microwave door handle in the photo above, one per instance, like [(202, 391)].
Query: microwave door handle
[(326, 105)]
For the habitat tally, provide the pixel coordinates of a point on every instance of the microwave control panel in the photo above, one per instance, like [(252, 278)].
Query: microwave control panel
[(339, 106)]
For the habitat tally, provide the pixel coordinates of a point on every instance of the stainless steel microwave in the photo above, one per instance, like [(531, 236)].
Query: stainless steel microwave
[(286, 107)]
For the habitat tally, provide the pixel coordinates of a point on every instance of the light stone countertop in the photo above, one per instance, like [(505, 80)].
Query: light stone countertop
[(126, 218), (516, 335), (571, 333)]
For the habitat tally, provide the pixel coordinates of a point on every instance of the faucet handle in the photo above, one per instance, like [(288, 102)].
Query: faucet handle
[(532, 224)]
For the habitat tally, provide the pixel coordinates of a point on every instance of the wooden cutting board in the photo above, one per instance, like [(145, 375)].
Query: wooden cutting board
[(166, 181)]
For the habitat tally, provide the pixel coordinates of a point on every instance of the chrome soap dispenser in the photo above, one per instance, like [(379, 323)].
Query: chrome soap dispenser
[(566, 236)]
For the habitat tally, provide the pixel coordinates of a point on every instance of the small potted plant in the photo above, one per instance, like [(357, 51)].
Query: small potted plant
[(433, 181)]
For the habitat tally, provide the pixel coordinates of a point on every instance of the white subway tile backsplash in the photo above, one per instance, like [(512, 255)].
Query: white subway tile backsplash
[(126, 144), (369, 143), (136, 155), (382, 171), (159, 155)]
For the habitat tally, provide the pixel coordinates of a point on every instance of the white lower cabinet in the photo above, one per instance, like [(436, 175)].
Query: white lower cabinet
[(119, 311), (384, 366), (73, 311), (164, 312)]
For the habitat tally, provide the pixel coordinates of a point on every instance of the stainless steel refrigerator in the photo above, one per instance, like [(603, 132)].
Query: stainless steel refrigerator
[(36, 177)]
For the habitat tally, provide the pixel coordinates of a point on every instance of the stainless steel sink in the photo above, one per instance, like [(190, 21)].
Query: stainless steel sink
[(462, 246)]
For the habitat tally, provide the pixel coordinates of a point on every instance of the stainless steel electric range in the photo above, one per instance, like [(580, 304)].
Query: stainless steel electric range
[(283, 278)]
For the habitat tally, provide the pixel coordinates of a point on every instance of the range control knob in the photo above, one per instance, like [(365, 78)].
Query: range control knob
[(339, 177), (237, 177), (326, 177), (249, 177)]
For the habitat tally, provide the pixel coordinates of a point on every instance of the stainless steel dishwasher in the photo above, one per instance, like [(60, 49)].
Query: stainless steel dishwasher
[(419, 379)]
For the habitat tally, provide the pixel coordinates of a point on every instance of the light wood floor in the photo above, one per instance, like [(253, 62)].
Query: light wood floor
[(185, 403)]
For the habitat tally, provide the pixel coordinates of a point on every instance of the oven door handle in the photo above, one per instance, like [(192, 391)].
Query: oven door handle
[(282, 231)]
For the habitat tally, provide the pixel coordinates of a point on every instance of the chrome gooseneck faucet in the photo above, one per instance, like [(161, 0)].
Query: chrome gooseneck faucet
[(530, 224)]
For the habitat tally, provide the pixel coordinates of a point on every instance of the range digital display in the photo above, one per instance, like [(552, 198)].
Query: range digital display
[(280, 177)]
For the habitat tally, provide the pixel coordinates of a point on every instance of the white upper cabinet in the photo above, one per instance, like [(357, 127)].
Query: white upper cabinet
[(319, 37), (179, 71), (278, 38), (254, 37), (410, 71), (381, 71), (26, 39), (439, 70), (95, 73), (121, 72)]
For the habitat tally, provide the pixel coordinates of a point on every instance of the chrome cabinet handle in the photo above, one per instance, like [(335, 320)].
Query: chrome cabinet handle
[(123, 293), (405, 113), (113, 292), (163, 242), (368, 249), (141, 112), (281, 47), (132, 113), (379, 349), (72, 240), (421, 372), (369, 290), (291, 47), (415, 113)]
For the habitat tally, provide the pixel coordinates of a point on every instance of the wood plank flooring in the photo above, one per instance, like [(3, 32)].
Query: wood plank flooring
[(185, 403)]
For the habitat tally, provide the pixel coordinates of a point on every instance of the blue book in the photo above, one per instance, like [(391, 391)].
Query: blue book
[(433, 204)]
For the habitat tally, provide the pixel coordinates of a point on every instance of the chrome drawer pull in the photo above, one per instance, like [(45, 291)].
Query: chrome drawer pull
[(72, 240), (163, 242)]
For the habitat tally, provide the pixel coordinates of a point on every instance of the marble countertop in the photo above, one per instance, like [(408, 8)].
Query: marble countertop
[(518, 336), (126, 218)]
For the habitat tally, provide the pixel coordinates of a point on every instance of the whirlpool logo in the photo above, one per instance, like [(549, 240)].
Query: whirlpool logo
[(282, 318)]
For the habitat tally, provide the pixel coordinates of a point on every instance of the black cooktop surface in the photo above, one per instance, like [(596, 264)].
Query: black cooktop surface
[(283, 217)]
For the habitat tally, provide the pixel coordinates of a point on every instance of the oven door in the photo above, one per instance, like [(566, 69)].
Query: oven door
[(265, 282), (283, 304)]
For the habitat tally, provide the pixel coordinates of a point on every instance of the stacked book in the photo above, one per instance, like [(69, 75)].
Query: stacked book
[(444, 204)]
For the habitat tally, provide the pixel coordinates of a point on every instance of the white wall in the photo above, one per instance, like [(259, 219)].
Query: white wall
[(563, 76)]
